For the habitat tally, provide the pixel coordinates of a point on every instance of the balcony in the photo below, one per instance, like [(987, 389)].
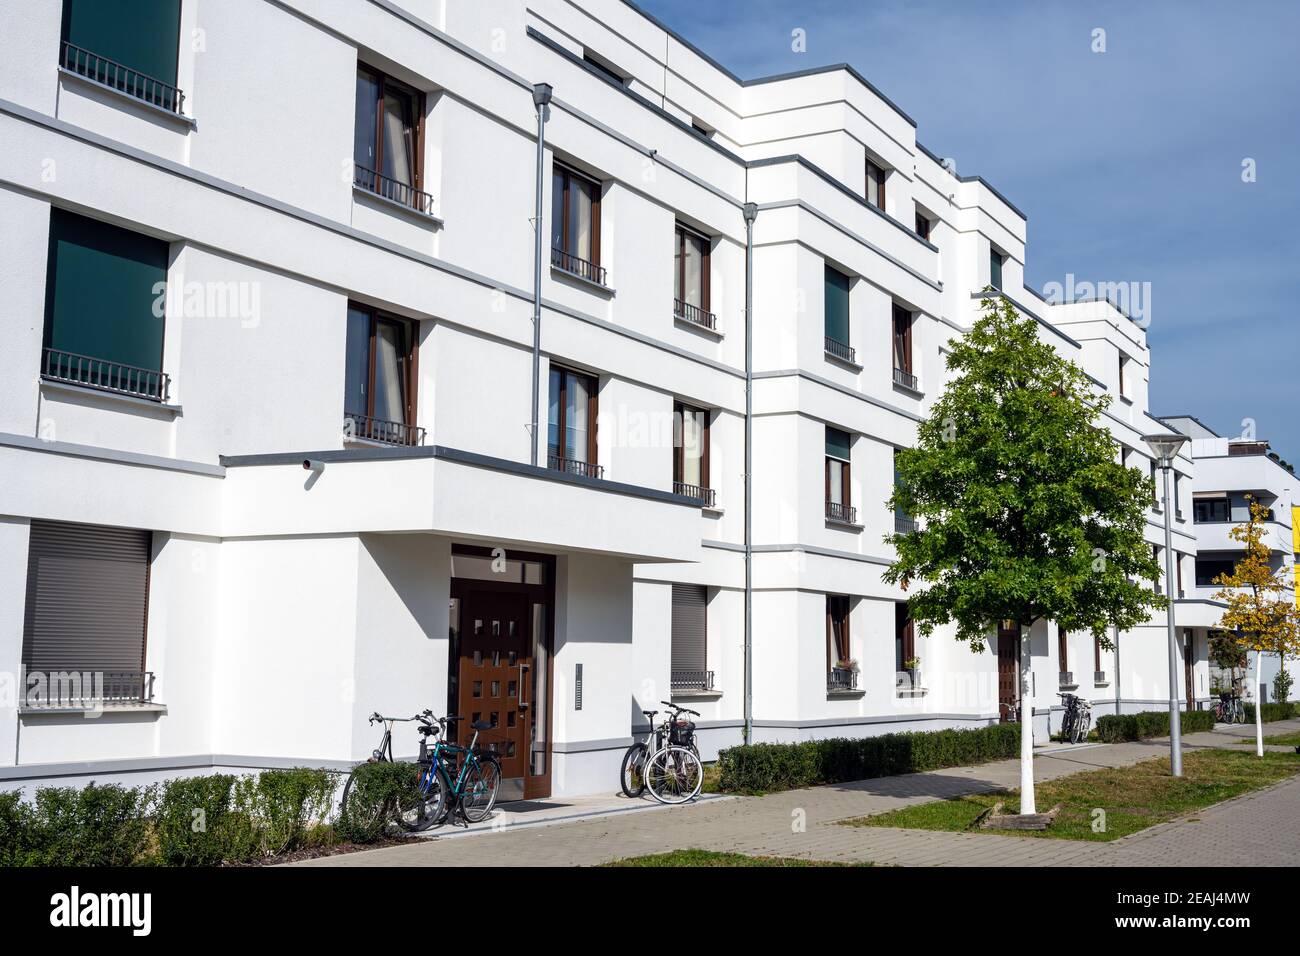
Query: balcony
[(572, 466), (841, 514), (123, 79), (903, 524), (906, 380), (691, 682), (74, 369), (365, 428), (393, 190), (842, 680), (694, 315), (841, 350), (86, 689), (705, 496), (581, 268)]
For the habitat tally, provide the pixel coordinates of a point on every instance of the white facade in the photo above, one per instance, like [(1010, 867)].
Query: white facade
[(284, 606)]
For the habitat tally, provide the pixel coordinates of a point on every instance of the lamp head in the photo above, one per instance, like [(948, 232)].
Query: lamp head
[(1165, 446)]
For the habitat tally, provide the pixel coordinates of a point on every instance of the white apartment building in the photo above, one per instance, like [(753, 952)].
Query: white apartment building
[(267, 412)]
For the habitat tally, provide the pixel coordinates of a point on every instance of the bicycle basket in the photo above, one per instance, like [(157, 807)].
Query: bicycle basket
[(681, 732)]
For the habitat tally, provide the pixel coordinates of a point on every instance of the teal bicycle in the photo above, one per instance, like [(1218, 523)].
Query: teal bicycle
[(454, 780)]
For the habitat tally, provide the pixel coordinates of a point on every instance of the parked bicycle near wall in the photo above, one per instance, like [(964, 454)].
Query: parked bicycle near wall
[(1229, 709), (365, 811), (1077, 719), (667, 762)]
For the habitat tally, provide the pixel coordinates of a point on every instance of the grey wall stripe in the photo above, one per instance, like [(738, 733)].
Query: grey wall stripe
[(96, 453)]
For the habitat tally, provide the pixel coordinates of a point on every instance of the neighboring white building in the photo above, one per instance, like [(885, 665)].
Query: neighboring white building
[(1227, 471), (307, 241)]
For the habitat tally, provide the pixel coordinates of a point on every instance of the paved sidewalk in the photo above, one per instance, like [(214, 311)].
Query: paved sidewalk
[(804, 823)]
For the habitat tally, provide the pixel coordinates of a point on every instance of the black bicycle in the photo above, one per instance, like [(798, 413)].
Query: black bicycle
[(1077, 720), (677, 730), (408, 812)]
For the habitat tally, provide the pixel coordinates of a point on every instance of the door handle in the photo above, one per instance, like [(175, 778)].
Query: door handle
[(523, 704)]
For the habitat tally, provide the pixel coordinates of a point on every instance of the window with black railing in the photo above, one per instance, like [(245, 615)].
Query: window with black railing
[(689, 671), (837, 316), (575, 224), (838, 472), (571, 423), (691, 278), (902, 343), (379, 390), (388, 140), (132, 48), (691, 453)]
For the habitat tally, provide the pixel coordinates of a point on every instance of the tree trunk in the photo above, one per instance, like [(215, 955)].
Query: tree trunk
[(1259, 704), (1027, 804)]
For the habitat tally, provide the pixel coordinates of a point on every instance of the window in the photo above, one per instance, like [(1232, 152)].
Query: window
[(838, 505), (130, 45), (691, 277), (690, 639), (838, 649), (604, 68), (1207, 569), (86, 614), (904, 637), (1124, 453), (571, 423), (387, 142), (1178, 566), (903, 522), (1123, 377), (995, 268), (923, 226), (1155, 582), (1063, 650), (837, 314), (691, 453), (903, 348), (1096, 656), (575, 224), (380, 377), (1210, 509), (1178, 504), (875, 185), (1155, 494), (103, 286)]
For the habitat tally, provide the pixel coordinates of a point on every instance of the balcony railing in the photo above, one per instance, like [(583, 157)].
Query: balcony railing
[(581, 268), (695, 315), (903, 524), (691, 681), (133, 83), (87, 688), (394, 190), (74, 369), (365, 428), (905, 379), (841, 679), (844, 514), (1066, 679), (572, 466), (705, 496), (841, 350)]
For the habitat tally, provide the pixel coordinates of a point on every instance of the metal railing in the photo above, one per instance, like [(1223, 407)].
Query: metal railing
[(844, 514), (86, 688), (691, 680), (1067, 679), (842, 678), (841, 350), (395, 190), (366, 428), (122, 78), (905, 379), (572, 466), (904, 524), (695, 315), (706, 496), (74, 369), (581, 268)]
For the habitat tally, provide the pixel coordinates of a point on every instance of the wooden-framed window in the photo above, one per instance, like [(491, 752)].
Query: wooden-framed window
[(571, 422), (1155, 487), (1178, 503), (995, 268), (923, 226), (903, 374), (691, 279), (379, 381), (875, 185), (388, 139), (1096, 654), (1155, 582), (1178, 567), (1063, 650), (575, 223), (839, 651), (691, 452), (1123, 376), (904, 637), (838, 473)]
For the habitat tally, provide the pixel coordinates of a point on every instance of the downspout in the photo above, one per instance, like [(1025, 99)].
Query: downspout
[(750, 213), (541, 99)]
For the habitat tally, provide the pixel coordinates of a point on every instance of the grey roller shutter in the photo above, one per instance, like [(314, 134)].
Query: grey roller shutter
[(689, 648), (87, 589)]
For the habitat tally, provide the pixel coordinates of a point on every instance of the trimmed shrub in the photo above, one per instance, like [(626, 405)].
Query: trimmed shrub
[(193, 824), (280, 810), (94, 826), (372, 802), (766, 768), (1271, 712), (1117, 728), (17, 829)]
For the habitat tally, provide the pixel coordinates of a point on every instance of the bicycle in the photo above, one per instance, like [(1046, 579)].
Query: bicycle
[(1077, 719), (365, 812), (1228, 709), (474, 792), (632, 771), (673, 773)]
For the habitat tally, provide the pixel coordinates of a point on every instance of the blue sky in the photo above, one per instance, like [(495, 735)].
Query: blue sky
[(1127, 163)]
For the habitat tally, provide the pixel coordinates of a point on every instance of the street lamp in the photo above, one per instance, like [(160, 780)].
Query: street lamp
[(1164, 447)]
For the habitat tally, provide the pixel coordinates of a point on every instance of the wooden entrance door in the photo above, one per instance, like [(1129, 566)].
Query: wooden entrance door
[(1008, 674), (1189, 667), (495, 668)]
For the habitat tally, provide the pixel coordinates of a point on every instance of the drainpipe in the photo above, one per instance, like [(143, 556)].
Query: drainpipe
[(541, 99), (750, 213)]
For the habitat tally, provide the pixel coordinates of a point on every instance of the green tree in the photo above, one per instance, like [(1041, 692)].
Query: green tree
[(1026, 513)]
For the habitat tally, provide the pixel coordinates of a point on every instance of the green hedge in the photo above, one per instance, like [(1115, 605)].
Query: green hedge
[(376, 788), (1116, 728), (766, 768), (1271, 712)]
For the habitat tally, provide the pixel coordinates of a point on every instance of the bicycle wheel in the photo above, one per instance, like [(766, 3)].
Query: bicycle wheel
[(481, 783), (363, 814), (422, 807), (674, 775), (632, 773)]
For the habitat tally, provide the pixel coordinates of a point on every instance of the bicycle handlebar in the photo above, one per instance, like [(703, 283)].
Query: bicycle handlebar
[(680, 710)]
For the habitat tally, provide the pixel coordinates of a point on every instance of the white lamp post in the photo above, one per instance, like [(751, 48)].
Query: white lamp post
[(1164, 448)]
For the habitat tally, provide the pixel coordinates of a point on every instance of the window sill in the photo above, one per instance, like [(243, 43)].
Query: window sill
[(179, 119), (1126, 400), (1101, 683), (1074, 686), (126, 401), (107, 708), (696, 327), (713, 512), (915, 692), (845, 525), (845, 694), (392, 205), (842, 362), (567, 276), (696, 694), (906, 390)]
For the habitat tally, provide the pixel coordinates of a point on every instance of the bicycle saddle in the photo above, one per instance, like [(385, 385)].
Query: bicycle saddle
[(481, 725), (428, 731)]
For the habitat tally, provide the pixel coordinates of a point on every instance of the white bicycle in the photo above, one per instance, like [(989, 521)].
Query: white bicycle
[(673, 773)]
